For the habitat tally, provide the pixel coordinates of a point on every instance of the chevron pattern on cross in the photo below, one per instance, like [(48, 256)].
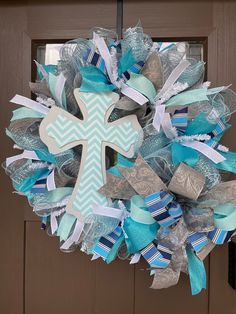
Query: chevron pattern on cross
[(60, 131)]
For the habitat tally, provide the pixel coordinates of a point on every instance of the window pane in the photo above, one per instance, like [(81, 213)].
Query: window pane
[(49, 53)]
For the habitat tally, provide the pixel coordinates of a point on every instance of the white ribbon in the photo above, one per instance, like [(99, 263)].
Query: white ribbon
[(133, 94), (100, 43), (53, 219), (112, 212), (94, 257), (74, 237), (27, 154), (51, 181), (44, 73), (205, 149), (59, 87), (158, 117), (120, 214), (135, 258), (29, 103), (160, 108)]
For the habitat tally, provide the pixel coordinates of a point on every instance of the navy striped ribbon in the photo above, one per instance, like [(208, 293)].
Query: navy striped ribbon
[(135, 68), (212, 143), (219, 236), (95, 59), (197, 240), (40, 185), (157, 257), (220, 128), (105, 244), (163, 209), (44, 221), (180, 119)]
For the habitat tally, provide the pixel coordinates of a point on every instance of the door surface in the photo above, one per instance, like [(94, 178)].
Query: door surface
[(35, 277)]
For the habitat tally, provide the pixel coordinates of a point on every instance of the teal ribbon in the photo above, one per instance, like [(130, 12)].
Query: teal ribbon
[(140, 227), (143, 85), (26, 185), (113, 252), (49, 68), (126, 61), (188, 97), (25, 113), (44, 155), (121, 162), (65, 226), (200, 125), (197, 273), (52, 82), (94, 80), (229, 164), (185, 154), (225, 216), (192, 96)]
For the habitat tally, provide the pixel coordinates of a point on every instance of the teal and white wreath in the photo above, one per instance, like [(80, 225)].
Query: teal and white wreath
[(121, 154)]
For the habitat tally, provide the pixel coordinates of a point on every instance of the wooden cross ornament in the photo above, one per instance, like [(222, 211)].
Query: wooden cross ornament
[(61, 131)]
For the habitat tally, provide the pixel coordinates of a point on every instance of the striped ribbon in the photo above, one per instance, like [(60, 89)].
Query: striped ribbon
[(197, 240), (180, 119), (220, 128), (163, 209), (40, 185), (105, 244), (94, 58), (135, 68), (157, 256), (219, 236)]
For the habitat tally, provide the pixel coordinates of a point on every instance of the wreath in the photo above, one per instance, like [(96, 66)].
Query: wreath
[(121, 154)]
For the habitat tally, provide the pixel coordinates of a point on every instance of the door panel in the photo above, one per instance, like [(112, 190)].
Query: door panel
[(57, 282)]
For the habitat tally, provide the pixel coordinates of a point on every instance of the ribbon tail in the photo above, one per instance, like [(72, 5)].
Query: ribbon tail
[(197, 273), (74, 237), (27, 154), (157, 257), (135, 258), (107, 246), (51, 185), (158, 117), (29, 103)]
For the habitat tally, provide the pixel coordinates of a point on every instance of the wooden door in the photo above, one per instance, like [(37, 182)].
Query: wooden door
[(35, 276)]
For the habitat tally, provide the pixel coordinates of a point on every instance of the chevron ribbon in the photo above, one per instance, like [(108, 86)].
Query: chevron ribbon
[(163, 209)]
